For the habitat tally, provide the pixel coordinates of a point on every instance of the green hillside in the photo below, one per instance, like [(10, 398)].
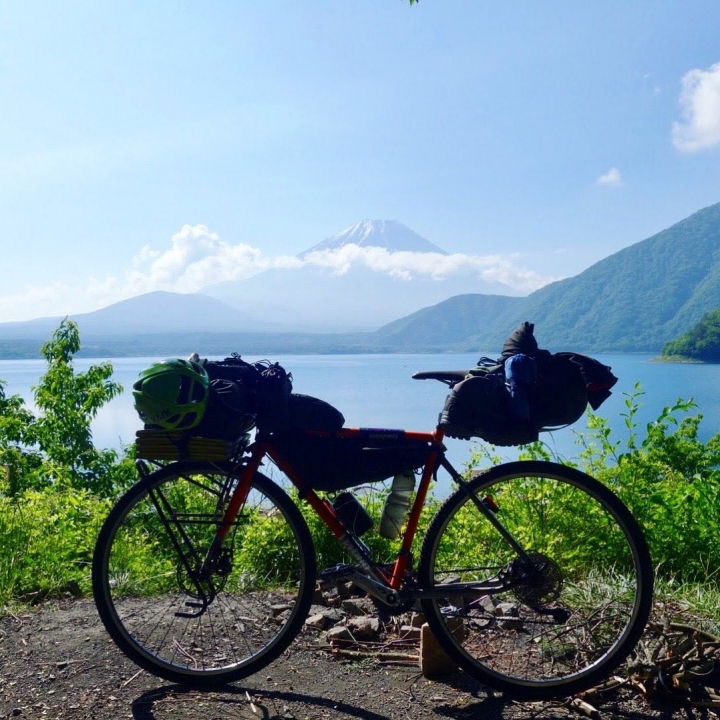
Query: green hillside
[(702, 342), (452, 325), (635, 300)]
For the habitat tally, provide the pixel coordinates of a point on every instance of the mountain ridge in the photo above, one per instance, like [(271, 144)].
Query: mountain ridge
[(634, 300)]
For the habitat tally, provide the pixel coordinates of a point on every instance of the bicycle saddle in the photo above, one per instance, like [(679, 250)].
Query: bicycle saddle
[(446, 376)]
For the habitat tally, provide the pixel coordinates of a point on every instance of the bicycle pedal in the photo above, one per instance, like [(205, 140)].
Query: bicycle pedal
[(339, 573)]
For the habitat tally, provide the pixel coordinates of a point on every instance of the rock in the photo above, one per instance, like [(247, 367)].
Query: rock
[(338, 635), (319, 621), (508, 615), (279, 609), (410, 632), (364, 628), (324, 618), (358, 606), (433, 659), (487, 603)]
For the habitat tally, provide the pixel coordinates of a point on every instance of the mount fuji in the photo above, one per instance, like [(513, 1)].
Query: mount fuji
[(388, 234), (351, 282)]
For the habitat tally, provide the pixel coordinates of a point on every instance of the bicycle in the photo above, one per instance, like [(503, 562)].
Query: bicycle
[(533, 576)]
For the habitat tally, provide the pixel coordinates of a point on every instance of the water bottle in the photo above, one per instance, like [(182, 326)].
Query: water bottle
[(397, 505)]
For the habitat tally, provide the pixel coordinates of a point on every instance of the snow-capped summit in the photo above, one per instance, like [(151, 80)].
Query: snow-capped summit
[(389, 234)]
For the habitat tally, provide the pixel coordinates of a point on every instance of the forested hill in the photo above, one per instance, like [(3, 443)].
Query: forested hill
[(635, 300), (702, 342)]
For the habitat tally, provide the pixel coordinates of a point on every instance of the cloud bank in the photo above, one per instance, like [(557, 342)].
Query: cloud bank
[(700, 111), (198, 257)]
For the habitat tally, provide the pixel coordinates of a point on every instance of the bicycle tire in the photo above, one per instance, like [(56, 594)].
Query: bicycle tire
[(264, 584), (562, 629)]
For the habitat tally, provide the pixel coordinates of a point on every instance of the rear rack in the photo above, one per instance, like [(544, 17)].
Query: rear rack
[(165, 445)]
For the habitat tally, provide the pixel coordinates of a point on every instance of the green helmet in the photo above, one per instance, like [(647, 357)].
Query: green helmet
[(172, 394)]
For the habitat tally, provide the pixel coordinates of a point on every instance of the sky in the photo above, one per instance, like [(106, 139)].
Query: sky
[(170, 145)]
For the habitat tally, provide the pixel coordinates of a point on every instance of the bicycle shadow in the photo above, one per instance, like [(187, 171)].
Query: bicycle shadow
[(230, 701), (236, 702)]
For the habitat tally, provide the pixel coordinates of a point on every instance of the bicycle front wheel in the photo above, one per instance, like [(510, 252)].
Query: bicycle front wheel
[(551, 580), (211, 627)]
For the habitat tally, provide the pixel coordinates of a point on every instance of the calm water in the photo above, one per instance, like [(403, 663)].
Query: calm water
[(378, 391)]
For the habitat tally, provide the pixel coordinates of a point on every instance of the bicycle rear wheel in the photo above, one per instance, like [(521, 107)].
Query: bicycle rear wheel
[(561, 618), (233, 621)]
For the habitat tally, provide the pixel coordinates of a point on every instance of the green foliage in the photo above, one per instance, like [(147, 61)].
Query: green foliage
[(20, 465), (54, 484), (668, 478), (702, 342), (68, 402), (46, 543), (56, 487), (55, 448)]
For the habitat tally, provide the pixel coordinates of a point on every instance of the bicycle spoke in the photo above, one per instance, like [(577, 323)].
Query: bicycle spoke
[(568, 611), (173, 621)]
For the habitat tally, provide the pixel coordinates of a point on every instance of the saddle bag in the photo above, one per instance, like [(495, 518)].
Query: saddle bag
[(526, 391)]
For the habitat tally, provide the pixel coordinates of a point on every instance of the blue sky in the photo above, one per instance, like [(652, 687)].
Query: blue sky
[(165, 145)]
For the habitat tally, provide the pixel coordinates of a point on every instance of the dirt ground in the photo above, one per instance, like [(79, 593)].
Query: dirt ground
[(57, 662)]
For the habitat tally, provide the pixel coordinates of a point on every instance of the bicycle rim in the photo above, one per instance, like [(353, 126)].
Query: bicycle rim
[(227, 626), (559, 624)]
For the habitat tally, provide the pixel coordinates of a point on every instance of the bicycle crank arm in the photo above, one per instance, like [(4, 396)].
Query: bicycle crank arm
[(378, 590)]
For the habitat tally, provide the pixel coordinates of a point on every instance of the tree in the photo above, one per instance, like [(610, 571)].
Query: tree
[(19, 460), (701, 342), (68, 402)]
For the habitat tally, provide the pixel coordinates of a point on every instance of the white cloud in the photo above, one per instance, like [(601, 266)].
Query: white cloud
[(34, 302), (700, 111), (406, 265), (611, 177), (198, 257)]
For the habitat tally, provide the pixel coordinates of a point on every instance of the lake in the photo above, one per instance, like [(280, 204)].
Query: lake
[(378, 391)]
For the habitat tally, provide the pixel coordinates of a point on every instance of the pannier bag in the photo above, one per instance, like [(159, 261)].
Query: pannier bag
[(525, 392)]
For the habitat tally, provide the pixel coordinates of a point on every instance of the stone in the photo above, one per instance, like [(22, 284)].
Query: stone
[(358, 606), (434, 661), (338, 635), (279, 609), (364, 628), (508, 615), (410, 632), (487, 603), (319, 621)]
